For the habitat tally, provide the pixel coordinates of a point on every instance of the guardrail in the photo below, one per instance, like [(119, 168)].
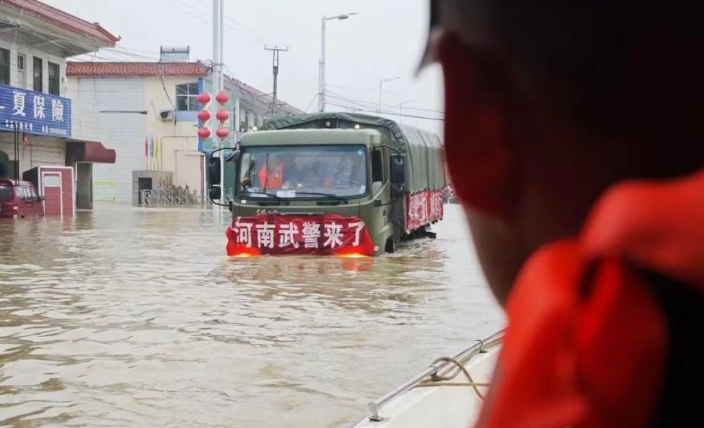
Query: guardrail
[(173, 197), (433, 370)]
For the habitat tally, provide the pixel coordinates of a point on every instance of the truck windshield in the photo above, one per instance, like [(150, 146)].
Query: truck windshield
[(303, 172)]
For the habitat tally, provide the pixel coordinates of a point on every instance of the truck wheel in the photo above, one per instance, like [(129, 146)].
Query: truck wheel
[(390, 246)]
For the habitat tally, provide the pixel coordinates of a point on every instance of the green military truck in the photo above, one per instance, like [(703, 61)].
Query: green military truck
[(332, 183)]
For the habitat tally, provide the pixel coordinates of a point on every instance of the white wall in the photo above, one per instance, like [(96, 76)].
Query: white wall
[(126, 132), (26, 80), (178, 141), (85, 107), (123, 132)]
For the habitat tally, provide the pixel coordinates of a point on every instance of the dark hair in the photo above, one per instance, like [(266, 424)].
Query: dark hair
[(622, 71)]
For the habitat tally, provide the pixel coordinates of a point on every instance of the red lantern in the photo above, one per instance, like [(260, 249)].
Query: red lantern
[(203, 115), (222, 115), (204, 133), (222, 98), (222, 133), (203, 98)]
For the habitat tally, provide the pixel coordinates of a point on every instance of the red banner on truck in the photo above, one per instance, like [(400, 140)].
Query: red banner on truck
[(317, 234), (423, 208)]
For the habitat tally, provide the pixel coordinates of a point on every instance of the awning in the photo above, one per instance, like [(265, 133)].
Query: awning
[(89, 151)]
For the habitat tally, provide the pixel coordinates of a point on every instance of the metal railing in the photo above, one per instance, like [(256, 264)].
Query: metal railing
[(432, 371), (173, 197)]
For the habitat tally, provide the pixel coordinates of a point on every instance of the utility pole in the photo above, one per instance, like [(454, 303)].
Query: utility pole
[(218, 80), (275, 67)]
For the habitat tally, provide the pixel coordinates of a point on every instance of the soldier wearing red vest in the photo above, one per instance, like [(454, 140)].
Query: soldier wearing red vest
[(271, 174), (573, 138)]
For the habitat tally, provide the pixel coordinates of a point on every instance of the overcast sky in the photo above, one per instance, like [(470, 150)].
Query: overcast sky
[(384, 41)]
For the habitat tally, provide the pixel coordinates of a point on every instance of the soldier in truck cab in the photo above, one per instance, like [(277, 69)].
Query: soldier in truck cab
[(272, 173)]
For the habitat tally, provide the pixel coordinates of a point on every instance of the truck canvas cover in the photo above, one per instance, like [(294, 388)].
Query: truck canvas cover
[(425, 164)]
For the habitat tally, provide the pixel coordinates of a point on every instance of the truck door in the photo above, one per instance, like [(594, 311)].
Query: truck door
[(380, 191)]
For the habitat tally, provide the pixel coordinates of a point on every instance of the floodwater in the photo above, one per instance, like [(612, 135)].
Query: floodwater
[(136, 318)]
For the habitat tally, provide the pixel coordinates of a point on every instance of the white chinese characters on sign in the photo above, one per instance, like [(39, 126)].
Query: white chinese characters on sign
[(304, 235), (18, 101), (265, 235), (359, 226), (333, 233), (311, 234), (39, 107), (57, 110), (243, 232), (287, 235)]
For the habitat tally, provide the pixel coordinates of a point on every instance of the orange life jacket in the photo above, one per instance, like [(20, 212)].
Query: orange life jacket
[(274, 180), (587, 342)]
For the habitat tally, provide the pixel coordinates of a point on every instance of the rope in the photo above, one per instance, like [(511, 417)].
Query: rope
[(442, 380)]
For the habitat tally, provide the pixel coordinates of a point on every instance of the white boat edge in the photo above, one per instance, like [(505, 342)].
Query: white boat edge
[(452, 403)]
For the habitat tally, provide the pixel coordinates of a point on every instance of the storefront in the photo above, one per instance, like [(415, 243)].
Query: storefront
[(36, 143)]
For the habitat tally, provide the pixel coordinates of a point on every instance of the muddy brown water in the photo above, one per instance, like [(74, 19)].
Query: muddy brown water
[(136, 318)]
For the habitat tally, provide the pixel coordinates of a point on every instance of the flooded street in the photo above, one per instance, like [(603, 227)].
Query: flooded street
[(136, 318)]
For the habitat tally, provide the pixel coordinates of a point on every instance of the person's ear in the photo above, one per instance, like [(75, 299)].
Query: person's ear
[(478, 157)]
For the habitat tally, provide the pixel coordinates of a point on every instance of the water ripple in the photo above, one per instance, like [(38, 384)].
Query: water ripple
[(136, 318)]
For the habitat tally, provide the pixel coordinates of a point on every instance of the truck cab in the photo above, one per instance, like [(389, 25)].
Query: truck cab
[(344, 172), (331, 183)]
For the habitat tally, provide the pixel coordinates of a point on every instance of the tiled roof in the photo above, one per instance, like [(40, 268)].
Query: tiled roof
[(155, 69), (135, 69), (62, 19)]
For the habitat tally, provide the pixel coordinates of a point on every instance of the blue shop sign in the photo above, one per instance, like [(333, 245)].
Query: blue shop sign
[(34, 112)]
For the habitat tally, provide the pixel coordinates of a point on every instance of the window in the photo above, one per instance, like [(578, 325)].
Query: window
[(38, 85), (4, 66), (377, 166), (187, 97), (25, 195), (21, 59), (303, 172), (5, 193), (54, 79)]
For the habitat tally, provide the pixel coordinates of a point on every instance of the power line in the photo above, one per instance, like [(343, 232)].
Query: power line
[(387, 113), (275, 69)]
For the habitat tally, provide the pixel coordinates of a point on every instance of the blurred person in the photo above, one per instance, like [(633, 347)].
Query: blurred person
[(572, 136)]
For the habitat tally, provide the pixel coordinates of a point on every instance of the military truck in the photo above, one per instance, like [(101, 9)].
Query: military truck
[(332, 183)]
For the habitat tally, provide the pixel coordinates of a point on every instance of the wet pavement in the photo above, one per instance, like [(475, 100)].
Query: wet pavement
[(136, 318)]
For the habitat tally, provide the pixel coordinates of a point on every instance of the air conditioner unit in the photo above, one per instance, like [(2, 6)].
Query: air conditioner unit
[(166, 115)]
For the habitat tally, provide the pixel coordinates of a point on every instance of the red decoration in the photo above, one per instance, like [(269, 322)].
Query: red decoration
[(203, 115), (222, 98), (222, 133), (204, 133), (323, 234), (203, 98), (222, 115), (423, 208)]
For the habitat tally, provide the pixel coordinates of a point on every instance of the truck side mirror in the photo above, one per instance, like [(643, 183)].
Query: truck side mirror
[(398, 169), (234, 156), (214, 171), (397, 190), (215, 193)]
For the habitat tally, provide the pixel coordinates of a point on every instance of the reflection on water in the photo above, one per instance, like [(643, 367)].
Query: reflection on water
[(136, 318)]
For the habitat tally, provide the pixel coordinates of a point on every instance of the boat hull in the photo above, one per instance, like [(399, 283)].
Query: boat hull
[(452, 403)]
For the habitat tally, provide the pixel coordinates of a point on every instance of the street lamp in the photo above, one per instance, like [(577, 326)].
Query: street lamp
[(321, 64), (381, 84)]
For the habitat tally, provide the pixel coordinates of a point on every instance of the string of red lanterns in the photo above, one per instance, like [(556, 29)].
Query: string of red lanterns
[(222, 115)]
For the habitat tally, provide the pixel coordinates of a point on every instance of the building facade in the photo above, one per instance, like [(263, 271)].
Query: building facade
[(148, 112), (37, 117)]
